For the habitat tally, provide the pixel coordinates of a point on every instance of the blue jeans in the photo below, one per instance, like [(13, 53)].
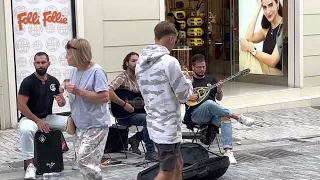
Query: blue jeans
[(139, 120), (211, 112)]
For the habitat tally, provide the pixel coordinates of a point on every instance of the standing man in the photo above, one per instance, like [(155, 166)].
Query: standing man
[(164, 88), (127, 80), (35, 99)]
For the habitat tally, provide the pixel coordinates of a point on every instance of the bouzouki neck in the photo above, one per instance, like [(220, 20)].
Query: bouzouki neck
[(224, 80)]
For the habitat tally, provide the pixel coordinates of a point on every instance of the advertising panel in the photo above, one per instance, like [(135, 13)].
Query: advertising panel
[(261, 36), (42, 25)]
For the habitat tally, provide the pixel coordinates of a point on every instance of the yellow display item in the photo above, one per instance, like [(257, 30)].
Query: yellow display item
[(195, 32), (195, 42), (182, 34), (195, 21), (183, 24), (180, 14)]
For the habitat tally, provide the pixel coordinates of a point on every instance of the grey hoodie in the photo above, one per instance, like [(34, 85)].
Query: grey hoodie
[(163, 87)]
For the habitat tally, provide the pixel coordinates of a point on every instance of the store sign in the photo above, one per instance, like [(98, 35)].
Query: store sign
[(42, 25), (261, 45), (34, 18)]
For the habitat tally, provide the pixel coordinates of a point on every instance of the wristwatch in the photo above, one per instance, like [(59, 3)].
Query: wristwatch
[(254, 51)]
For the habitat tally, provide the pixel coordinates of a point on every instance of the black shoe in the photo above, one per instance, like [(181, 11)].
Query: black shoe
[(152, 156), (134, 143)]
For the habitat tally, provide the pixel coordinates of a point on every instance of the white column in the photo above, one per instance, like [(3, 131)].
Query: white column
[(298, 36), (162, 10), (10, 66)]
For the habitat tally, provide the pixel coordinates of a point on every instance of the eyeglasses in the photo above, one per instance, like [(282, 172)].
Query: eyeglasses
[(200, 67), (69, 46)]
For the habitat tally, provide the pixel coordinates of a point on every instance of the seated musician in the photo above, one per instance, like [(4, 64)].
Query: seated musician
[(127, 80), (210, 111), (35, 100)]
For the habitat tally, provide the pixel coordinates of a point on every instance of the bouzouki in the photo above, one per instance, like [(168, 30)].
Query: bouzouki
[(203, 92), (133, 98)]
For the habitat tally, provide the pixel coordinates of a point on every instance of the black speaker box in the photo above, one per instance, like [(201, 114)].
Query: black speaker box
[(48, 156), (116, 134)]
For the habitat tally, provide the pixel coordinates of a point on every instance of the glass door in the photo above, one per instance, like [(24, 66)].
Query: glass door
[(219, 44)]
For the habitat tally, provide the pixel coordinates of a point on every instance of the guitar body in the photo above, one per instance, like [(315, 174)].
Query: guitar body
[(203, 94), (135, 99)]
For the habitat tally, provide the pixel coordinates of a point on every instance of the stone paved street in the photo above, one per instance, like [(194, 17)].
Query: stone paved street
[(283, 144)]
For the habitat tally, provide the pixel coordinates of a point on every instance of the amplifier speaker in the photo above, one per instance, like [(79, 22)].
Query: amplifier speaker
[(48, 155)]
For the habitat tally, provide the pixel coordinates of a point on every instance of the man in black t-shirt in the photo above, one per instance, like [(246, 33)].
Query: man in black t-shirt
[(172, 19), (210, 111), (35, 100)]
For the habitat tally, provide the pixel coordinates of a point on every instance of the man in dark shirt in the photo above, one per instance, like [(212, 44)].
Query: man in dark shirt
[(35, 100), (210, 111), (172, 19)]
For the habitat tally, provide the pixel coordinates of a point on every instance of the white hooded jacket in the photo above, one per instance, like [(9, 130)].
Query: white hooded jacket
[(163, 87)]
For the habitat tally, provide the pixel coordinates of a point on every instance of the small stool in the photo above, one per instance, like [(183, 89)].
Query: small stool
[(48, 156)]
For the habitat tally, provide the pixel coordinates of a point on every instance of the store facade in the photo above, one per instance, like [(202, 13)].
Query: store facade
[(115, 28)]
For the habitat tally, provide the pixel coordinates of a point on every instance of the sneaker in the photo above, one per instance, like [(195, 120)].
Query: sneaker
[(231, 157), (245, 120), (30, 172), (134, 143), (152, 156)]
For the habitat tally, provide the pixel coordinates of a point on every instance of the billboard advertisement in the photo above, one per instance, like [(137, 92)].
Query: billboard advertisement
[(261, 36), (42, 25)]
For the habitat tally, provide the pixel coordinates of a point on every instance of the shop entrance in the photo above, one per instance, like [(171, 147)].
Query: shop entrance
[(205, 28)]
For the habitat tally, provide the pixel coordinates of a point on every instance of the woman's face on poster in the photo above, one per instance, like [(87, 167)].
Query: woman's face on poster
[(270, 9)]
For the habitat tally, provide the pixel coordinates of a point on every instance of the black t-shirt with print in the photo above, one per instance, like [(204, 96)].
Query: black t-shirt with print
[(40, 95), (204, 83)]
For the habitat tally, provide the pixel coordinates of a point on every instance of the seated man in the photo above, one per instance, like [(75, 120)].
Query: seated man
[(210, 111), (127, 80), (35, 100)]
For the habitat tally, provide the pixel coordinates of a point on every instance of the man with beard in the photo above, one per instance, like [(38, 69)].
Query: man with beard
[(127, 80), (35, 100), (210, 111)]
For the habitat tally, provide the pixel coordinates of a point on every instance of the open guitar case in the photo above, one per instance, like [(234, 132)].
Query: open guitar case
[(197, 164)]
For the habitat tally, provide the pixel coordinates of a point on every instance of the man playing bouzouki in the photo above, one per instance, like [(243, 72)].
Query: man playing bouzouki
[(210, 111), (126, 80)]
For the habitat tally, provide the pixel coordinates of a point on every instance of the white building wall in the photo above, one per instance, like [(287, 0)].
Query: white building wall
[(311, 43)]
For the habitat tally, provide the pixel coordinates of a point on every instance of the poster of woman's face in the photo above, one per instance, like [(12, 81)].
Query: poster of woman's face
[(261, 36)]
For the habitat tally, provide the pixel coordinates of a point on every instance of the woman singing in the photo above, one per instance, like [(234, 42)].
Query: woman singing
[(88, 94), (270, 58)]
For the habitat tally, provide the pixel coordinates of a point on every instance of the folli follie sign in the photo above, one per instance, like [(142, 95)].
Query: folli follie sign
[(35, 18), (42, 26)]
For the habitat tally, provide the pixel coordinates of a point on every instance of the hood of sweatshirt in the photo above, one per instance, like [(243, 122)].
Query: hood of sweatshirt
[(151, 54)]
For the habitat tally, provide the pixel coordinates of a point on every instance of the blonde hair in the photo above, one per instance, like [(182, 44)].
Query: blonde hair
[(80, 50)]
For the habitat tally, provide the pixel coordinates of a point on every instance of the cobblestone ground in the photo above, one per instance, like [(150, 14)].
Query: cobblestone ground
[(303, 165), (293, 130)]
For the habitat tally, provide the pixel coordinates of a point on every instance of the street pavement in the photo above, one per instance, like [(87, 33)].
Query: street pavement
[(282, 144)]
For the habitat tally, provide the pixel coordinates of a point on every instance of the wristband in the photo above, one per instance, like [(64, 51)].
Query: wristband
[(124, 104)]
